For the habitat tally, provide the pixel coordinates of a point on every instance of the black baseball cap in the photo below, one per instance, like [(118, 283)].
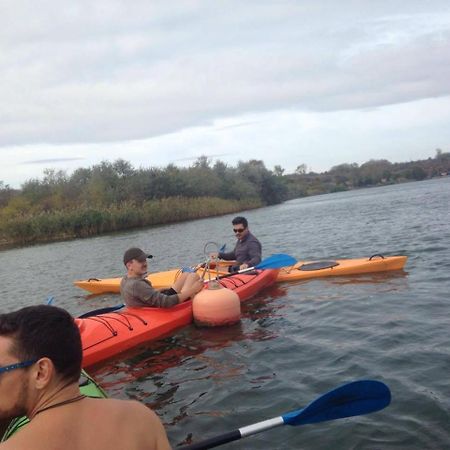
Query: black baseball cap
[(135, 253)]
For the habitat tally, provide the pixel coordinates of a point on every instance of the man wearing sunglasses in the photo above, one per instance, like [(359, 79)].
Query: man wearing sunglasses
[(137, 291), (247, 251), (40, 365)]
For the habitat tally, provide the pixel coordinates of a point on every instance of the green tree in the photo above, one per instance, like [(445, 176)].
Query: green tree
[(6, 194), (301, 169), (417, 173), (278, 171), (375, 171)]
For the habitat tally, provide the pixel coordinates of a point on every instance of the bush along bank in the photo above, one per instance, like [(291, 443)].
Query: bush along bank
[(88, 221)]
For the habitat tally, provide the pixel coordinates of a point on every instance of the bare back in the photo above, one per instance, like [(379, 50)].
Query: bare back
[(103, 424)]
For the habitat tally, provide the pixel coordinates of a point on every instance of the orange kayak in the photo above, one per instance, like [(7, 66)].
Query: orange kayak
[(105, 335), (302, 270)]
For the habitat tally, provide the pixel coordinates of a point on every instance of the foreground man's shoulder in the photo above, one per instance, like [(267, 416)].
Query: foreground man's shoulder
[(133, 407), (148, 424)]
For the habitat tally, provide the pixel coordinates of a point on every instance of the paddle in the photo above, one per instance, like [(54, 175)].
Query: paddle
[(351, 399), (96, 312), (276, 261)]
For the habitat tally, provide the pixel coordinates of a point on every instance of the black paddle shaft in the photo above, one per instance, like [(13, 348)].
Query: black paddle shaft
[(213, 442)]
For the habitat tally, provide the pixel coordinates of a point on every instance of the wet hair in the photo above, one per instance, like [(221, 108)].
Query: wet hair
[(45, 331), (240, 221)]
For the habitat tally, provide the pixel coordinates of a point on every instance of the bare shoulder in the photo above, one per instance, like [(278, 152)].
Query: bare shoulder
[(142, 420), (128, 406), (143, 415), (137, 408), (150, 425), (135, 418)]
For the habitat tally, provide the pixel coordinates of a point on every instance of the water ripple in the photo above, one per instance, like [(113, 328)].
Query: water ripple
[(295, 341)]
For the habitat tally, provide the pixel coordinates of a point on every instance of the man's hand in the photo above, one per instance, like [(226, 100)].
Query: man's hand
[(197, 286), (243, 266), (192, 289)]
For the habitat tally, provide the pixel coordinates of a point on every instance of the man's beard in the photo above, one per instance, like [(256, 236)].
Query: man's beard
[(19, 408)]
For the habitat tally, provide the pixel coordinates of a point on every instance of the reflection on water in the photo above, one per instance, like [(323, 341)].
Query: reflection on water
[(194, 348), (386, 278)]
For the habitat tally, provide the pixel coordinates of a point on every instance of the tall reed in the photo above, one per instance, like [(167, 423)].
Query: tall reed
[(90, 221)]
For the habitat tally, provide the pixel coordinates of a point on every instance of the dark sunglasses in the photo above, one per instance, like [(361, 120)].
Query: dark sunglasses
[(238, 230)]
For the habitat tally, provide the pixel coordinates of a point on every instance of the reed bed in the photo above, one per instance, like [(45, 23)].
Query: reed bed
[(86, 220)]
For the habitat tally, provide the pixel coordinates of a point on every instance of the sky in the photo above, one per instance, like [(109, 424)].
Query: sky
[(154, 82)]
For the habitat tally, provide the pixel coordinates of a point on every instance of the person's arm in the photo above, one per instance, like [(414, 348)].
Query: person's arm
[(151, 297), (162, 300), (254, 253), (189, 292), (228, 256)]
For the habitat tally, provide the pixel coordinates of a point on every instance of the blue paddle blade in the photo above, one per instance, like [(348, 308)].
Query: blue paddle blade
[(352, 399), (222, 249), (50, 299), (276, 261)]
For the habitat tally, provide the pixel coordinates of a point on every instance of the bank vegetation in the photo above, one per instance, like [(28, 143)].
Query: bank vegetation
[(115, 196)]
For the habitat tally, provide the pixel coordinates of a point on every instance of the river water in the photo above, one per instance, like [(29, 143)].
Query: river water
[(296, 341)]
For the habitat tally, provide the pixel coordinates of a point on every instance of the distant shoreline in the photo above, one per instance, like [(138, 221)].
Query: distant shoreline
[(189, 211)]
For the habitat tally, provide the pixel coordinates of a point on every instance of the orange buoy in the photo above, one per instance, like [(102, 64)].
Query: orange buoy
[(216, 306)]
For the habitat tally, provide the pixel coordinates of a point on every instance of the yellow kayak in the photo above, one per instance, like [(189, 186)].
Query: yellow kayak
[(159, 280), (302, 270)]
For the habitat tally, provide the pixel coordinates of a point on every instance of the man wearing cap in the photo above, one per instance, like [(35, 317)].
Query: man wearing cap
[(137, 291)]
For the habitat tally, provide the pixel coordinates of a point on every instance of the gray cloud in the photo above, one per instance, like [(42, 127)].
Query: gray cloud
[(237, 125), (52, 160), (109, 71)]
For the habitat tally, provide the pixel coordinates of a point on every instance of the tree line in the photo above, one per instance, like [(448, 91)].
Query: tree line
[(113, 196), (372, 173)]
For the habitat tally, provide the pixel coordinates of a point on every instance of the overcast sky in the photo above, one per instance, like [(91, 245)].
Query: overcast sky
[(156, 82)]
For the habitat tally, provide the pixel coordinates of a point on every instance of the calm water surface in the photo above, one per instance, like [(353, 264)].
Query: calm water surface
[(295, 341)]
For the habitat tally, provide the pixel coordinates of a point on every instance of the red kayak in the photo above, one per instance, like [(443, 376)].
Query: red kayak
[(106, 335)]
